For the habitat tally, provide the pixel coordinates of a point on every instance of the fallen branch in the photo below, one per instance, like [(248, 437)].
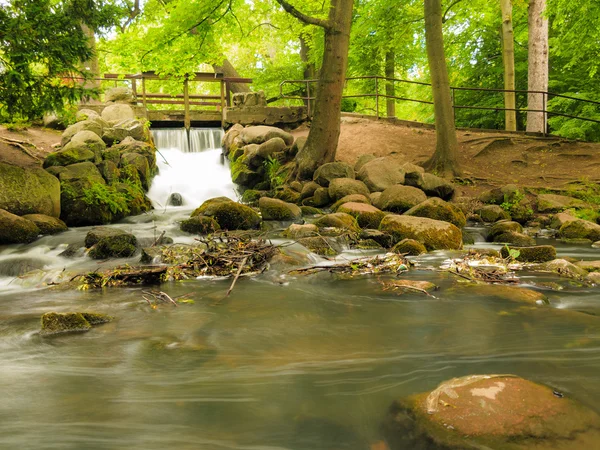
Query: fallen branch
[(21, 146), (237, 275)]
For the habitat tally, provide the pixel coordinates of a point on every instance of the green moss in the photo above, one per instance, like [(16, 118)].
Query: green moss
[(199, 225), (338, 220), (97, 318), (252, 196), (229, 215), (538, 254), (437, 209), (319, 245), (409, 247), (120, 246), (310, 211), (56, 323)]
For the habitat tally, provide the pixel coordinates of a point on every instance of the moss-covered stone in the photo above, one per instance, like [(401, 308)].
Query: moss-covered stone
[(229, 215), (504, 292), (383, 239), (409, 247), (433, 234), (354, 198), (514, 238), (366, 215), (492, 213), (378, 174), (252, 196), (563, 268), (330, 171), (342, 187), (199, 225), (29, 191), (92, 124), (310, 211), (438, 209), (338, 220), (400, 198), (136, 201), (504, 226), (97, 318), (323, 246), (297, 231), (536, 254), (107, 243), (287, 194), (580, 229), (308, 189), (274, 209), (141, 165), (368, 244), (84, 146), (109, 171), (58, 323), (553, 203), (319, 199), (431, 184), (16, 230), (46, 224)]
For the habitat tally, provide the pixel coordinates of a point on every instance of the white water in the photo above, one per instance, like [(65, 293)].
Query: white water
[(197, 171)]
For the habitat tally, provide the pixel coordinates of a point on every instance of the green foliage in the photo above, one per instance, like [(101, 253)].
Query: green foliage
[(513, 254), (511, 201), (575, 128), (18, 125), (273, 172), (102, 195)]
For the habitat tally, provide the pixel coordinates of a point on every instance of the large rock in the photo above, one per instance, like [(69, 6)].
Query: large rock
[(117, 113), (400, 198), (199, 225), (535, 254), (83, 146), (354, 198), (141, 166), (274, 209), (119, 94), (504, 226), (558, 220), (229, 215), (491, 412), (70, 322), (297, 231), (47, 224), (552, 203), (338, 220), (85, 114), (433, 234), (231, 139), (16, 230), (514, 238), (272, 146), (260, 134), (492, 213), (381, 173), (438, 209), (93, 125), (497, 196), (29, 191), (362, 160), (432, 185), (580, 229), (563, 268), (126, 128), (330, 171), (130, 145), (409, 247), (105, 243), (342, 187), (367, 216)]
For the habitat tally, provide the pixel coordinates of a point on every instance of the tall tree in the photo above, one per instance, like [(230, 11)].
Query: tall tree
[(444, 160), (321, 145), (538, 66), (508, 57)]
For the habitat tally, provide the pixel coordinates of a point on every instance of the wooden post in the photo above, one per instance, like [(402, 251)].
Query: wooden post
[(227, 93), (144, 92), (186, 104), (134, 89), (222, 104), (377, 97)]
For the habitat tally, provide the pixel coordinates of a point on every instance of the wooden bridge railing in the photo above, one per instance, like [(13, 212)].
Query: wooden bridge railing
[(140, 93)]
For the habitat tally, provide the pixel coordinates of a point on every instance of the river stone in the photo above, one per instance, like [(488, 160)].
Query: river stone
[(260, 134), (374, 197), (141, 165), (400, 198), (330, 171), (58, 323), (504, 292), (308, 189), (16, 230), (535, 254), (342, 187), (514, 238), (70, 155), (382, 173), (563, 268), (558, 220), (431, 184), (433, 234), (354, 198), (383, 239), (438, 209), (324, 246), (297, 231), (175, 199), (272, 146), (580, 229), (287, 194), (547, 203), (130, 145), (117, 113), (199, 225), (109, 171), (338, 220), (416, 285), (497, 196), (504, 226), (589, 266), (229, 215), (105, 242), (121, 130), (47, 224), (491, 412), (274, 209), (29, 191), (95, 126), (362, 160), (492, 213), (409, 247), (319, 199), (366, 215)]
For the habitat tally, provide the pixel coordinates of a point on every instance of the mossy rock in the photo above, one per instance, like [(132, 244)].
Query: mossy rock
[(94, 125), (199, 225), (29, 191), (130, 145), (438, 209), (368, 244), (431, 184), (354, 198), (378, 174), (383, 239), (229, 215), (342, 187), (366, 215), (503, 292), (319, 199), (492, 213), (362, 160), (563, 268), (497, 196), (85, 146), (109, 171), (59, 323), (130, 174), (552, 203), (400, 198), (310, 211), (409, 247), (433, 234), (338, 220), (16, 230), (274, 209), (505, 226), (108, 243), (252, 196), (46, 224), (141, 165), (514, 238), (297, 231), (580, 229), (287, 194), (320, 245), (136, 201), (308, 189), (97, 318), (536, 254), (330, 171)]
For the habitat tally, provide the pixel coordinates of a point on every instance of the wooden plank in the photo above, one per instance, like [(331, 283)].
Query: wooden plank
[(191, 96), (222, 104), (175, 102), (186, 104)]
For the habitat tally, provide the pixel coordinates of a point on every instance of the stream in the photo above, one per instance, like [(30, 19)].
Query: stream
[(286, 362)]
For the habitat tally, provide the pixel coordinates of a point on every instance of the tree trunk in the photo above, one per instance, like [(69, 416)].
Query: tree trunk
[(324, 134), (508, 56), (444, 160), (92, 66), (227, 69), (390, 72), (310, 71), (538, 66)]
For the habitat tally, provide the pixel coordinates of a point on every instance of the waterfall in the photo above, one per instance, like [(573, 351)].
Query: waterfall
[(194, 169)]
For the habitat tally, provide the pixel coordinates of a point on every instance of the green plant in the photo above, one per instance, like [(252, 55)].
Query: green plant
[(510, 201), (273, 172), (18, 124), (102, 195), (513, 254)]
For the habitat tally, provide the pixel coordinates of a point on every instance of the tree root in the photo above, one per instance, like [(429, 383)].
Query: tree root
[(21, 145)]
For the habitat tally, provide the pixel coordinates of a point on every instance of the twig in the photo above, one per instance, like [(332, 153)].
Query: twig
[(156, 242), (237, 275)]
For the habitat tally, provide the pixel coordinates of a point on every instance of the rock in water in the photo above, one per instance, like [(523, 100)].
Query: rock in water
[(71, 322), (491, 411), (107, 242)]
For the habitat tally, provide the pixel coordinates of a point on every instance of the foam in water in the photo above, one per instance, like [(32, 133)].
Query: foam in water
[(196, 170)]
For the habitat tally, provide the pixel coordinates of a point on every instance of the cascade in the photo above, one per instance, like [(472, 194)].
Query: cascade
[(193, 168)]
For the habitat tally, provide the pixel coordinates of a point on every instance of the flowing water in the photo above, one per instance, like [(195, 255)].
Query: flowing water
[(286, 362)]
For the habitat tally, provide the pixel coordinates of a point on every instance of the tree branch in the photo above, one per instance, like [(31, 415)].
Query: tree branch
[(450, 6), (303, 17)]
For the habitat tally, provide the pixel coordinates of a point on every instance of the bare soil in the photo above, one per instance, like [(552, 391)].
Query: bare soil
[(27, 148)]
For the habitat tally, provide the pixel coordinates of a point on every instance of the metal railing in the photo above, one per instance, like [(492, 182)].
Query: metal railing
[(379, 80)]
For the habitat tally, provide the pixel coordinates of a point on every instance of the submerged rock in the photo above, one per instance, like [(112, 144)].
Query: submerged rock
[(409, 247), (536, 254), (274, 209), (105, 242), (16, 230), (324, 246), (71, 322), (504, 292), (229, 215), (491, 412)]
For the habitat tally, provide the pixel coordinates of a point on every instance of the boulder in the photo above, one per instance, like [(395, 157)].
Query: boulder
[(126, 128), (85, 114), (130, 145), (432, 185), (319, 199), (299, 144), (287, 194), (382, 173), (105, 242), (433, 234), (438, 209), (59, 323), (16, 230), (245, 176), (514, 238), (354, 198), (47, 224), (342, 187), (93, 125), (409, 247), (231, 140), (374, 197), (563, 268), (141, 166), (229, 215), (109, 171), (491, 412), (296, 231), (83, 146), (117, 113), (411, 286), (29, 191), (268, 149), (558, 220), (504, 226), (383, 239), (118, 94), (362, 160), (589, 266), (308, 189), (367, 216), (497, 196), (175, 199), (400, 198), (260, 134), (492, 213), (274, 209), (338, 220), (535, 254), (324, 246), (310, 211), (552, 203), (330, 171), (199, 225), (580, 229)]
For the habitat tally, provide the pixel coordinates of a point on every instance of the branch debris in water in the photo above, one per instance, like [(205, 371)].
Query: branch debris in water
[(388, 263)]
